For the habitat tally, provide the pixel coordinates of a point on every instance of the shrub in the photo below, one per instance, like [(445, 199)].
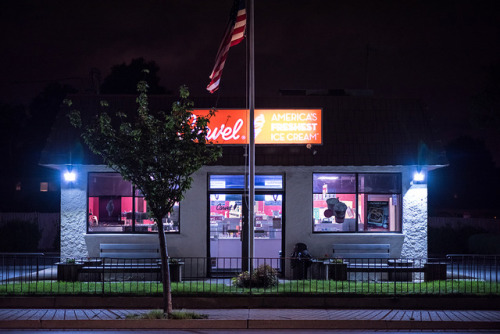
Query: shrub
[(264, 276), (243, 280)]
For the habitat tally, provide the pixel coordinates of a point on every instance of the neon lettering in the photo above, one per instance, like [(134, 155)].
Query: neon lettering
[(225, 132)]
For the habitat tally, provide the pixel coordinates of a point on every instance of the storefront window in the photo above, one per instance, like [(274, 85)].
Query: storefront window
[(379, 202), (334, 202), (377, 198), (115, 206), (231, 181)]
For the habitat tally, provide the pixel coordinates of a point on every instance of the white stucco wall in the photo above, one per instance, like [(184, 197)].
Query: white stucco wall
[(193, 237)]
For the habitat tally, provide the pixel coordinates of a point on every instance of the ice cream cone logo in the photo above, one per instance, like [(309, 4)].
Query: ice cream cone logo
[(259, 124)]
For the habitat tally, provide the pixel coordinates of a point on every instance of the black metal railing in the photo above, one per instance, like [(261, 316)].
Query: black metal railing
[(24, 274)]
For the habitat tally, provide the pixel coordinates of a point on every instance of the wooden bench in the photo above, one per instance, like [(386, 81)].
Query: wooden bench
[(124, 258)]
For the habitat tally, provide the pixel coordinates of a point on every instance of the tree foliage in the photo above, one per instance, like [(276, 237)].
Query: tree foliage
[(156, 151), (12, 129), (485, 106), (124, 77), (42, 114)]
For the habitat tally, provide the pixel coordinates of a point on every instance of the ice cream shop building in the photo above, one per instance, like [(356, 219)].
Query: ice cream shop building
[(329, 170)]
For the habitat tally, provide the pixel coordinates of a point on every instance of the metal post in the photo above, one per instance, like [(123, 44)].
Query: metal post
[(251, 106)]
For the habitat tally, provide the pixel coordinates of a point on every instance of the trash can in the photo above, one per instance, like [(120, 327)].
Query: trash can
[(400, 275), (435, 272), (68, 271), (300, 262)]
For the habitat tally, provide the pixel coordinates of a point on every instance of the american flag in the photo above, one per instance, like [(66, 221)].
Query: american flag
[(235, 32)]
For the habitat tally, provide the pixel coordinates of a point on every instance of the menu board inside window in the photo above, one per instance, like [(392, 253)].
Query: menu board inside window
[(377, 214)]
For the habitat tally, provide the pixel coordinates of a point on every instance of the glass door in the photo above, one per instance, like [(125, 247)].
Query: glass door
[(226, 219), (228, 211), (228, 214), (268, 228)]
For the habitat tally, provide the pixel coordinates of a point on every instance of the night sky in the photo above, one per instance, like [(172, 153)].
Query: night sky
[(438, 51)]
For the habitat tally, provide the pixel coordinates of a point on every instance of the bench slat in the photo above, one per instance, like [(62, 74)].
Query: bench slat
[(362, 251), (385, 270), (139, 255), (371, 247), (129, 251), (120, 269), (362, 255), (129, 246)]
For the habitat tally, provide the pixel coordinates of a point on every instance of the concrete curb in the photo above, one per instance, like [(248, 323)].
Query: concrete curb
[(245, 324), (254, 302), (367, 324)]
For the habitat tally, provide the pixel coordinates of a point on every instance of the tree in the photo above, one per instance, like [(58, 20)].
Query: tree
[(12, 142), (23, 132), (123, 78), (157, 152), (485, 106), (470, 182), (42, 113)]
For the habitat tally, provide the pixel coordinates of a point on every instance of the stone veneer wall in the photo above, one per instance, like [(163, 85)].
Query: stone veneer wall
[(415, 222), (73, 216)]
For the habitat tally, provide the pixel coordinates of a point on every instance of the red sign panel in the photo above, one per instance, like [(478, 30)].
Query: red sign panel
[(272, 126)]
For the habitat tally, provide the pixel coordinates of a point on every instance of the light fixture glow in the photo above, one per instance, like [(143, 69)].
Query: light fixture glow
[(419, 176), (70, 176)]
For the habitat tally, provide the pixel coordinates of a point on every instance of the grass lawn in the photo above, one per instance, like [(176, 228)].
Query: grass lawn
[(287, 287)]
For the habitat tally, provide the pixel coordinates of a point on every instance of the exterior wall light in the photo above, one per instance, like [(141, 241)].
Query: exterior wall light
[(418, 177), (70, 176)]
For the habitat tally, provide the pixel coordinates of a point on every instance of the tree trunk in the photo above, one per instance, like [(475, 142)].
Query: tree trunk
[(165, 269)]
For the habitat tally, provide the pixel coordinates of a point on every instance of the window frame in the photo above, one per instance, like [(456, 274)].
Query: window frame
[(357, 194), (134, 196)]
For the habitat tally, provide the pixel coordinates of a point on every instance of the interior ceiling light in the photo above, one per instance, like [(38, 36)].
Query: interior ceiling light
[(328, 178)]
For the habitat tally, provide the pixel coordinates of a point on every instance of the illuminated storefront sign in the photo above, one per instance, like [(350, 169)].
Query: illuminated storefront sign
[(272, 126)]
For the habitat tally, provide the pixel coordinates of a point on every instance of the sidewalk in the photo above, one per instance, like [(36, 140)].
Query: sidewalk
[(253, 319)]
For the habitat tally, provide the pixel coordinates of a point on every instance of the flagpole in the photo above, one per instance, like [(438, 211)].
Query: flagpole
[(251, 150)]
